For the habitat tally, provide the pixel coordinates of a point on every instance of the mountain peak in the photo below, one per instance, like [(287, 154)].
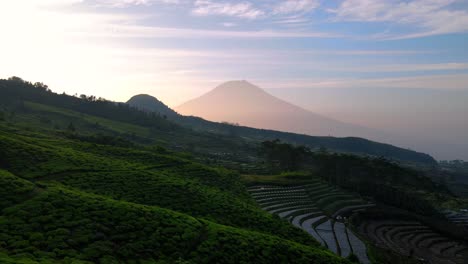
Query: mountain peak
[(236, 83), (145, 97), (238, 87), (234, 100)]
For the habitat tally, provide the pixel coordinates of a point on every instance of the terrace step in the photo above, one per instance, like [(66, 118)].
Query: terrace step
[(280, 210), (297, 220), (352, 208), (325, 231), (285, 204), (307, 225), (358, 247), (282, 198), (270, 187), (288, 213)]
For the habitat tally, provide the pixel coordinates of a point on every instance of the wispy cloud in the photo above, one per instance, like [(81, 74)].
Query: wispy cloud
[(451, 66), (367, 52), (236, 9), (443, 81), (426, 17), (295, 6), (228, 24), (120, 30), (127, 3), (292, 20)]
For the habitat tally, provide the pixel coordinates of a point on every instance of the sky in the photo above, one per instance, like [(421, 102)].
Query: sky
[(389, 64)]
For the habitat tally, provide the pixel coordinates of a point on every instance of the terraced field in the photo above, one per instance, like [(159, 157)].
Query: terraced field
[(412, 238), (318, 209), (458, 218)]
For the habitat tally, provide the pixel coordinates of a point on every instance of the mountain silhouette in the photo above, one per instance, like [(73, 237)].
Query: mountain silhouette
[(151, 104), (249, 105)]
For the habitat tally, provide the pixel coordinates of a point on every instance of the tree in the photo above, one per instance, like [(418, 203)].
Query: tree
[(283, 155), (42, 86), (16, 79)]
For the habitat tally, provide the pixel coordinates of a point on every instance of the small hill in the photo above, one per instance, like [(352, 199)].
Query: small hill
[(151, 104)]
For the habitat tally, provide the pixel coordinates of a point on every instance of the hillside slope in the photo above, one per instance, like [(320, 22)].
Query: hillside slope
[(74, 200)]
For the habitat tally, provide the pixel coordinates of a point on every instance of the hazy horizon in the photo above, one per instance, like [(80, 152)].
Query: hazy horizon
[(362, 112), (396, 66)]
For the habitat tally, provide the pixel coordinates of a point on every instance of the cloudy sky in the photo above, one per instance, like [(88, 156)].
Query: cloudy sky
[(179, 49)]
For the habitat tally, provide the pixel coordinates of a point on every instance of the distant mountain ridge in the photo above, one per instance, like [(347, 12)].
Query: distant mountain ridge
[(354, 145)]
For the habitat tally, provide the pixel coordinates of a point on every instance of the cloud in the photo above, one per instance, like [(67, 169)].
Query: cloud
[(443, 81), (291, 20), (228, 24), (451, 66), (426, 17), (127, 3), (120, 30), (241, 9), (375, 52), (123, 3), (295, 6)]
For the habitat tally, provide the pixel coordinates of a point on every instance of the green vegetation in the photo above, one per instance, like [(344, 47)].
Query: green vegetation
[(64, 223), (282, 179), (77, 187), (283, 156), (137, 175), (453, 174), (13, 189)]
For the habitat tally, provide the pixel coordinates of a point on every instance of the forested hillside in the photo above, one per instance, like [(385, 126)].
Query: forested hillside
[(76, 188)]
